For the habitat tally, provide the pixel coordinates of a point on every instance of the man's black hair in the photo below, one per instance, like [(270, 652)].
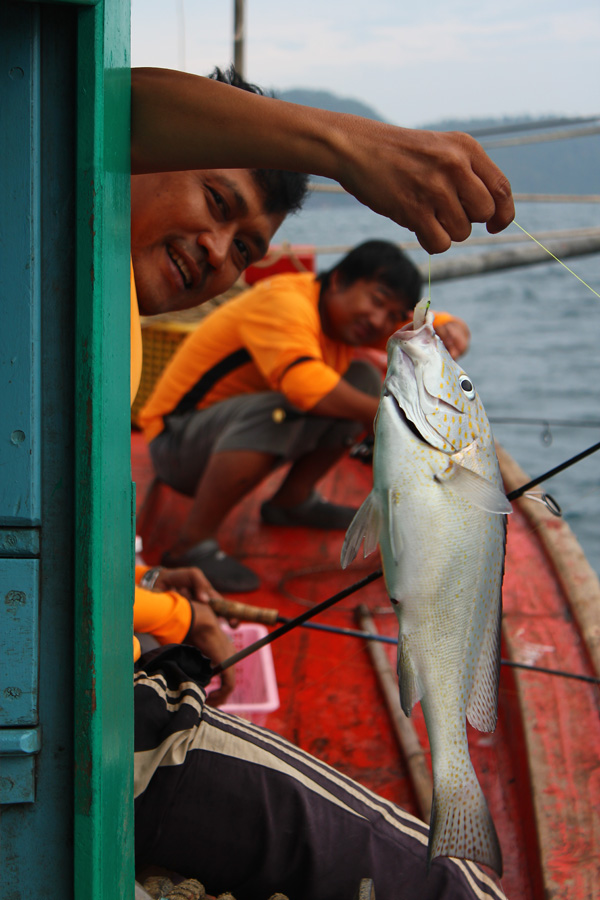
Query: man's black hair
[(284, 191), (378, 261)]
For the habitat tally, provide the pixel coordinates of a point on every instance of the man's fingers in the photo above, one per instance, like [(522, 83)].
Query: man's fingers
[(432, 236), (505, 207), (497, 185)]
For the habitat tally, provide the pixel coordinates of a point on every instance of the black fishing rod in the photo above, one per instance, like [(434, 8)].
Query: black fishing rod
[(551, 472), (293, 623), (368, 579), (303, 621)]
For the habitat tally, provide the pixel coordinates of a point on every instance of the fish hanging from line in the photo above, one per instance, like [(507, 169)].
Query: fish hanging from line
[(437, 510)]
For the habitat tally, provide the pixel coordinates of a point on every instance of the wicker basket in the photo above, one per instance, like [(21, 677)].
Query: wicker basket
[(162, 335)]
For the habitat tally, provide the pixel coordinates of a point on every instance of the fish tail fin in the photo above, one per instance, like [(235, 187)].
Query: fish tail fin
[(461, 824), (365, 526)]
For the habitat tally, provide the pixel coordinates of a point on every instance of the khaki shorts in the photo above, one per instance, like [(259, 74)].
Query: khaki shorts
[(264, 423)]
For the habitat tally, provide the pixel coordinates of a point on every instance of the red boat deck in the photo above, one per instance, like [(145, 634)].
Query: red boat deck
[(331, 704)]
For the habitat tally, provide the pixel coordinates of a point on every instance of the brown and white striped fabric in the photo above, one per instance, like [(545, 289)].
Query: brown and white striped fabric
[(243, 810)]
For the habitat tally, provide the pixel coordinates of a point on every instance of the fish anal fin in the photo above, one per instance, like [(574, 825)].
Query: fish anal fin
[(461, 824), (482, 707), (364, 527), (411, 689)]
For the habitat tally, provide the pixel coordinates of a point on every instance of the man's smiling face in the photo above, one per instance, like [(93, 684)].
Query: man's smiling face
[(193, 233)]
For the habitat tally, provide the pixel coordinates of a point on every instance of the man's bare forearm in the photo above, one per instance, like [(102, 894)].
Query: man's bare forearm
[(347, 402), (434, 183)]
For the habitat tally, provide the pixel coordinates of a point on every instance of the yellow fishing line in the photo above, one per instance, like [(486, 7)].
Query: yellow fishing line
[(553, 257), (430, 279)]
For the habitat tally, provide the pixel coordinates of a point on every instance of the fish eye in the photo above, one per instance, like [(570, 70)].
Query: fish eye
[(467, 386)]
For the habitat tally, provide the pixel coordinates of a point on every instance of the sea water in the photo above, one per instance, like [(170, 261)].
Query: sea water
[(535, 349)]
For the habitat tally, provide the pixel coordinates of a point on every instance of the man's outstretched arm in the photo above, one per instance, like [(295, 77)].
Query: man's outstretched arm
[(434, 183)]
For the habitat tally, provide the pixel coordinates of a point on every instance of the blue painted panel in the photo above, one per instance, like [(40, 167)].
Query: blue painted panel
[(19, 286), (19, 580), (17, 779), (17, 764), (19, 542)]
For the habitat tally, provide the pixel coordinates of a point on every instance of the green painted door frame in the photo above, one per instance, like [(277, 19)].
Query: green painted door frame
[(103, 826), (66, 510)]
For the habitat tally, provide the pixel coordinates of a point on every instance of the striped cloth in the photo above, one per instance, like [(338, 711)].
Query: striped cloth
[(243, 810)]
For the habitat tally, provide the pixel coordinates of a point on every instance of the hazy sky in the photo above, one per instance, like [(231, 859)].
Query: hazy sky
[(414, 62)]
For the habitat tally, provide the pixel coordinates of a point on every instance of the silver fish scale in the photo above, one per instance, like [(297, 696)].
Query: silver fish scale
[(443, 559)]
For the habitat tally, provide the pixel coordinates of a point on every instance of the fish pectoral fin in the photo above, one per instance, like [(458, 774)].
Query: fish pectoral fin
[(365, 526), (411, 689), (475, 490)]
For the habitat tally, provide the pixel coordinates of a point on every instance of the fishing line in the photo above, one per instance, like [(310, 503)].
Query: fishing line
[(556, 423), (429, 280), (564, 265), (385, 639)]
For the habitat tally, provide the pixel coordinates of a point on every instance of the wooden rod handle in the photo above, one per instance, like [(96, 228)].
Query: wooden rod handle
[(232, 609)]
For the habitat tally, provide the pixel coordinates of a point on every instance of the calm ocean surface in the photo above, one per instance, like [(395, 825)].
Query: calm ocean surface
[(535, 349)]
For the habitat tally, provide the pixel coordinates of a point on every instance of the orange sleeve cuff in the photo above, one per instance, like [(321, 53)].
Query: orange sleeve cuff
[(440, 318), (167, 616)]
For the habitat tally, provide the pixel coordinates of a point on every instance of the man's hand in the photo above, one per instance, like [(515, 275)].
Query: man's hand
[(205, 633), (455, 335), (190, 582), (434, 183)]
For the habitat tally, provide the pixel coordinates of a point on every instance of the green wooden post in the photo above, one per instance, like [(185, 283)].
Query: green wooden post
[(103, 827), (66, 549)]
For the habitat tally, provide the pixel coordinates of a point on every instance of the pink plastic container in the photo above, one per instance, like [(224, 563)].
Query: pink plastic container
[(255, 694)]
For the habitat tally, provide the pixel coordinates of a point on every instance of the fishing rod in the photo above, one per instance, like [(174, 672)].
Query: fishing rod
[(271, 616), (299, 620), (518, 492), (368, 579)]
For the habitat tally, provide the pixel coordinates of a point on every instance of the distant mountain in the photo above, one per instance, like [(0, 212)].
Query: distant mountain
[(327, 100), (560, 167)]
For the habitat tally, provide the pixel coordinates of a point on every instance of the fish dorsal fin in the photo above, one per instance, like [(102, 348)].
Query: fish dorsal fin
[(411, 689), (472, 487), (482, 708), (365, 526)]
